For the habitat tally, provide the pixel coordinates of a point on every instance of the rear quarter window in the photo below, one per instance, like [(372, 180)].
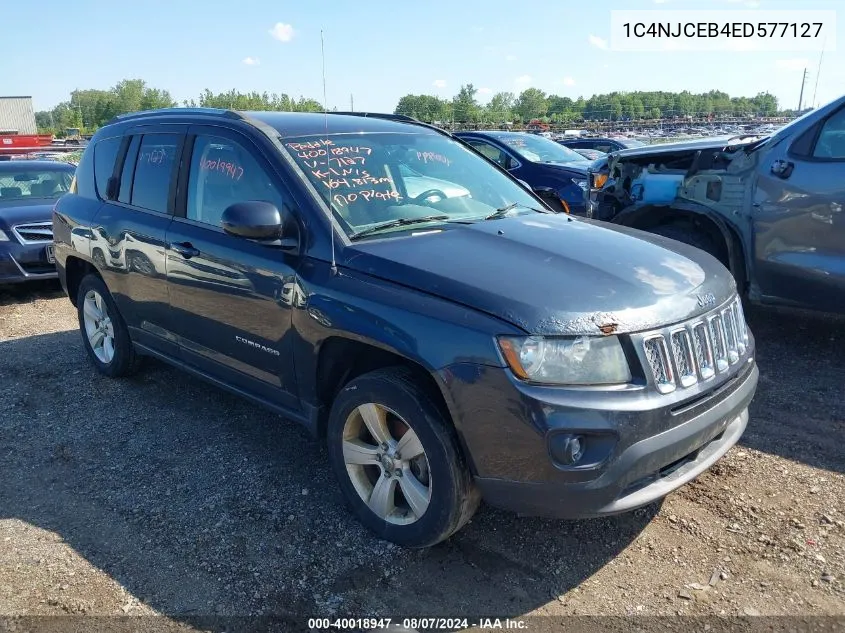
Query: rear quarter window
[(105, 155)]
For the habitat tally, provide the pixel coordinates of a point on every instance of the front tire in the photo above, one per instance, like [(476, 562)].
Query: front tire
[(397, 460), (104, 334)]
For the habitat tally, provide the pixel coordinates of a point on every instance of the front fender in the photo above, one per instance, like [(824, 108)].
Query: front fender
[(428, 331)]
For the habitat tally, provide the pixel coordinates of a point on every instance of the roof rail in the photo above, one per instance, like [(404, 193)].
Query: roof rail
[(381, 115), (143, 114), (396, 117)]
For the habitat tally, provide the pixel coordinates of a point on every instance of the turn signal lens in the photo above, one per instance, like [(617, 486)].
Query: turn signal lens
[(599, 180)]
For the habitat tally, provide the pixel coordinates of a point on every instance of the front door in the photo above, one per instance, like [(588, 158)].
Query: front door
[(230, 309), (799, 219)]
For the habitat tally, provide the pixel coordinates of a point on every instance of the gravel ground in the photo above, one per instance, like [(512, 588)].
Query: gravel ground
[(163, 495)]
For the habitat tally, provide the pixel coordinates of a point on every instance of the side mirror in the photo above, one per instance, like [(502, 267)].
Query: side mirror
[(259, 221)]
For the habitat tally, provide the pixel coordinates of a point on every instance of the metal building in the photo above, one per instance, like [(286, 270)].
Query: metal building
[(17, 115)]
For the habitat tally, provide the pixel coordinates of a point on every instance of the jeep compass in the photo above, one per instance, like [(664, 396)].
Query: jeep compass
[(414, 305)]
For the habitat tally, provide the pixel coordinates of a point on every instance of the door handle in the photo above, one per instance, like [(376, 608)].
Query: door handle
[(185, 249)]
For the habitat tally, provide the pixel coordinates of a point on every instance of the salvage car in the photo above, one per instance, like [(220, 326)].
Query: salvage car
[(556, 173), (601, 144), (770, 208), (446, 348), (28, 191)]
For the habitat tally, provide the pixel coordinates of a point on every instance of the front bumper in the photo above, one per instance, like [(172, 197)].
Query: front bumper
[(661, 442), (24, 262)]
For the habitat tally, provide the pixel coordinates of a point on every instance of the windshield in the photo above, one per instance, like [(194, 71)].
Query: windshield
[(375, 178), (539, 149), (26, 183)]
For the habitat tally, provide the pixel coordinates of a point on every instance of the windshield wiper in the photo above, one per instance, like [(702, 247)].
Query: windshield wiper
[(503, 211), (399, 222)]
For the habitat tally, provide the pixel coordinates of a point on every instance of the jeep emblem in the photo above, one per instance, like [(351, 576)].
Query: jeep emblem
[(707, 299)]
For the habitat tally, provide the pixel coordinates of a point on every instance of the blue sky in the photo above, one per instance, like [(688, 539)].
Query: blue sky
[(379, 50)]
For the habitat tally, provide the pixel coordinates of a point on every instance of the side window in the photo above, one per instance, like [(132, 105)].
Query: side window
[(493, 153), (831, 143), (125, 194), (105, 155), (603, 147), (154, 171), (222, 173)]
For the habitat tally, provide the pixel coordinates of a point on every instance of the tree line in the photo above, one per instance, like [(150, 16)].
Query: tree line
[(533, 103), (92, 108)]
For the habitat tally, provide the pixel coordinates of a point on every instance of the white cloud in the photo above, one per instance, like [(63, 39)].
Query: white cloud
[(568, 81), (795, 63), (523, 80), (752, 4), (282, 32), (251, 61), (439, 83), (485, 91), (510, 58), (598, 42)]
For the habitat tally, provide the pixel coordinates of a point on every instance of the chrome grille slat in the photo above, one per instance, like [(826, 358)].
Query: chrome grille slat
[(697, 350), (34, 232)]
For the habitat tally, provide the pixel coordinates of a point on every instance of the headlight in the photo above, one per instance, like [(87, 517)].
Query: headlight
[(581, 183), (3, 236), (581, 360)]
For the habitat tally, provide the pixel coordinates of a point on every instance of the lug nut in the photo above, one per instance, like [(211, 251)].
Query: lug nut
[(397, 472)]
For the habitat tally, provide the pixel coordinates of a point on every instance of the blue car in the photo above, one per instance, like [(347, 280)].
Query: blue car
[(28, 191), (556, 173)]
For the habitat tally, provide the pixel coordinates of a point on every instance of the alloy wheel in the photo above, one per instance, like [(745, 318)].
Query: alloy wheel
[(387, 464)]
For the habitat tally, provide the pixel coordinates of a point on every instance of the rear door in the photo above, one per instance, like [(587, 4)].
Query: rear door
[(127, 241), (799, 221), (232, 315)]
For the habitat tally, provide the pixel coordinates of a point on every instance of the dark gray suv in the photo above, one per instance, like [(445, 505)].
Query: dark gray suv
[(412, 304)]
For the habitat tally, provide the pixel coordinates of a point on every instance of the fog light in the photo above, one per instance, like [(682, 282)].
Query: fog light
[(568, 449)]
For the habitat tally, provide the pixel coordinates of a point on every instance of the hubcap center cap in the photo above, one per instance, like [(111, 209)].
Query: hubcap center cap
[(388, 463)]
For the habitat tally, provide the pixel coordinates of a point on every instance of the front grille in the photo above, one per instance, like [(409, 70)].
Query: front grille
[(34, 233), (698, 350)]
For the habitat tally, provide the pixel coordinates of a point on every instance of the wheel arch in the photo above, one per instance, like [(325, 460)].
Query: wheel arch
[(723, 230), (342, 358), (76, 269)]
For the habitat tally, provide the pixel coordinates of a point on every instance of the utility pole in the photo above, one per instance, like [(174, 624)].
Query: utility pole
[(801, 97), (818, 72), (351, 103)]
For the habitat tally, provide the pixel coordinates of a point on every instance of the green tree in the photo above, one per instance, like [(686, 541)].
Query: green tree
[(531, 104), (500, 107), (464, 105)]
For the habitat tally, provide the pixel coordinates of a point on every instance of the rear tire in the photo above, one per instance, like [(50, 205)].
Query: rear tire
[(397, 460), (104, 334)]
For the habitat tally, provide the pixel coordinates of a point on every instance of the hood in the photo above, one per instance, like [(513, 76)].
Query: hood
[(579, 167), (717, 142), (21, 212), (552, 274)]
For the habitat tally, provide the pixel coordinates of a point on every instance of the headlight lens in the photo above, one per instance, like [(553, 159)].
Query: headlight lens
[(581, 360), (581, 183), (3, 236)]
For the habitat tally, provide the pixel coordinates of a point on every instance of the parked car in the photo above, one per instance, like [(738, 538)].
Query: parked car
[(770, 209), (445, 348), (602, 144), (28, 191), (556, 173), (590, 154)]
